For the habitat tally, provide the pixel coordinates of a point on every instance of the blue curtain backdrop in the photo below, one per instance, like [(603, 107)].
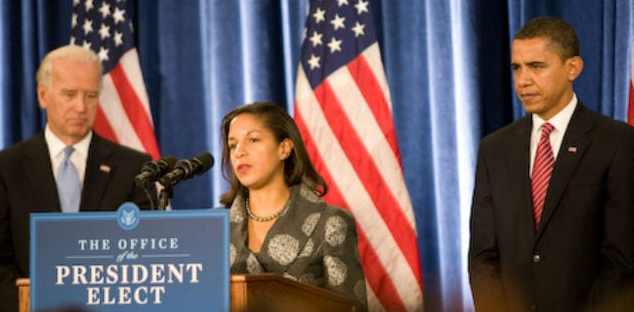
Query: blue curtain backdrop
[(447, 63)]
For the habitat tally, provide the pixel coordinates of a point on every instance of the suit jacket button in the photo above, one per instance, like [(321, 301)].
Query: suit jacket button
[(536, 258)]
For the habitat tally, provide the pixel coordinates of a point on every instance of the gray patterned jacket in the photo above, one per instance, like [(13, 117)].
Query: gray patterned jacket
[(310, 242)]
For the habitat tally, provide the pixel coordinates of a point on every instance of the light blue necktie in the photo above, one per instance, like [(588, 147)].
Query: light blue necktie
[(68, 185)]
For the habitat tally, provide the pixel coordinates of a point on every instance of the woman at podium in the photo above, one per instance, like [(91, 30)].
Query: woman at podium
[(279, 222)]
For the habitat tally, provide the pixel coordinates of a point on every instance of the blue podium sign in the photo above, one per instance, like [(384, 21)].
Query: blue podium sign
[(130, 260)]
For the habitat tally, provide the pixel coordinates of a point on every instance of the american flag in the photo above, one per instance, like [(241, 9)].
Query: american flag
[(124, 112), (343, 109)]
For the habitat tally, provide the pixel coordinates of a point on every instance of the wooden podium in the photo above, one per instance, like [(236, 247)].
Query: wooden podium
[(259, 293)]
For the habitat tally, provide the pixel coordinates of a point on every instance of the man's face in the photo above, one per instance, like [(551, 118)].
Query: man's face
[(71, 100), (543, 82)]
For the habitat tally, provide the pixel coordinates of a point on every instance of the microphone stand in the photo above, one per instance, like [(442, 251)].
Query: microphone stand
[(164, 195), (148, 193)]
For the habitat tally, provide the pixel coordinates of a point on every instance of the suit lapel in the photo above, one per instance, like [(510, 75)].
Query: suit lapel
[(573, 146), (38, 170), (98, 172)]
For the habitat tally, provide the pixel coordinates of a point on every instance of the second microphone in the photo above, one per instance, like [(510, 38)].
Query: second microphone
[(185, 169)]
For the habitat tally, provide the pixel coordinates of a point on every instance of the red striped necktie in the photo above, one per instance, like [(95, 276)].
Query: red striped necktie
[(542, 169)]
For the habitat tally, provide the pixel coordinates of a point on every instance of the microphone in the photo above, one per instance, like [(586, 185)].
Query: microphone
[(185, 169), (153, 170)]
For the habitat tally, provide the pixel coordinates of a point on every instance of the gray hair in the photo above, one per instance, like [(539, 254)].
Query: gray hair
[(69, 52)]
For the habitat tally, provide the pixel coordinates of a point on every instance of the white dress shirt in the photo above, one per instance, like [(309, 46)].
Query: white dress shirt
[(78, 157), (560, 123)]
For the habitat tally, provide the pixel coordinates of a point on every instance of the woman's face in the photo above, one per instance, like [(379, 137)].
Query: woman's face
[(257, 158)]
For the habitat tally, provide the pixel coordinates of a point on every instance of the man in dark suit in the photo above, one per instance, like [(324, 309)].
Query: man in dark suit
[(69, 83), (552, 224)]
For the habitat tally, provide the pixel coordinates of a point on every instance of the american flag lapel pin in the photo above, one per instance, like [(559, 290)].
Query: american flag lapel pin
[(105, 168), (572, 149)]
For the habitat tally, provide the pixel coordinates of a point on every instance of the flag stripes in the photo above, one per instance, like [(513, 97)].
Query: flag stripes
[(343, 110), (135, 110), (124, 114), (391, 261), (363, 159), (373, 94), (390, 298), (128, 106), (110, 102), (102, 126), (375, 271)]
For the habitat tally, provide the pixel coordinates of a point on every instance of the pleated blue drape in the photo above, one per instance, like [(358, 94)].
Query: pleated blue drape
[(447, 63)]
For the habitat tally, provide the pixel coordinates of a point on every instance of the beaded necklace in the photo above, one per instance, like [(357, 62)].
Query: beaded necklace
[(270, 217)]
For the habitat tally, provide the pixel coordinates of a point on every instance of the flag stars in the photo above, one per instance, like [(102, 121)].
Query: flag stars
[(118, 38), (358, 29), (105, 10), (86, 45), (319, 15), (316, 39), (334, 45), (75, 2), (104, 31), (313, 62), (89, 5), (342, 2), (73, 20), (361, 7), (103, 54), (87, 27), (118, 15), (337, 22)]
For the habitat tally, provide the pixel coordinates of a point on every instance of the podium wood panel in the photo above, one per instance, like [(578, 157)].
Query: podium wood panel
[(259, 293), (23, 294), (274, 293)]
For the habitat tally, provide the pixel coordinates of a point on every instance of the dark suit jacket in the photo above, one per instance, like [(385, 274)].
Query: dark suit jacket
[(582, 256), (27, 184), (311, 242)]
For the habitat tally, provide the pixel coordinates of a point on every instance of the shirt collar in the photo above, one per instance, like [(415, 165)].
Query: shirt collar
[(561, 120), (56, 146)]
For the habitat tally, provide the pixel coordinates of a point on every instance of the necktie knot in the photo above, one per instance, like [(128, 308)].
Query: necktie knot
[(547, 128), (68, 150)]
